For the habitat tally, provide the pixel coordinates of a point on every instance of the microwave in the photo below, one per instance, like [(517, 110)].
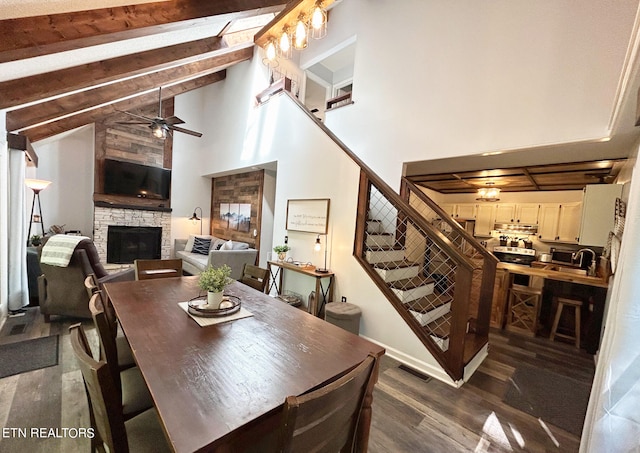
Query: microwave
[(560, 256)]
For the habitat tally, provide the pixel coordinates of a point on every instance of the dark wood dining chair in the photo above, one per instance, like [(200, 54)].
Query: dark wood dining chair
[(142, 433), (148, 269), (326, 419), (129, 383), (255, 276), (125, 356)]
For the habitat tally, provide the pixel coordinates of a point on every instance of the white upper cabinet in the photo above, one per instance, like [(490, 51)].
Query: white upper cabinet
[(525, 213), (559, 222), (598, 210), (485, 219)]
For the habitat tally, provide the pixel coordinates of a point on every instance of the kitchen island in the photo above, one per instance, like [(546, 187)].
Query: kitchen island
[(557, 281)]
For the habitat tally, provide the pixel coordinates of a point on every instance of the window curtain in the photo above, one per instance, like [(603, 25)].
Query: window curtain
[(612, 423), (17, 285)]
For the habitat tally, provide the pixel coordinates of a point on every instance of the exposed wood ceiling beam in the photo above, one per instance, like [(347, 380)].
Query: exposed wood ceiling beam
[(66, 105), (50, 129), (22, 143), (41, 86), (43, 35), (533, 181)]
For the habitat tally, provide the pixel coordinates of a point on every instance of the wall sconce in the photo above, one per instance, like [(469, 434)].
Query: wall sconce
[(317, 247), (37, 185), (194, 218)]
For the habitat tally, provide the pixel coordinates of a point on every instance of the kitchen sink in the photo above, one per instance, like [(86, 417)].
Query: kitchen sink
[(567, 269)]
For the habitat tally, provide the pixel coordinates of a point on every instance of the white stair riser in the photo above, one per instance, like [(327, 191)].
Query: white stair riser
[(443, 343), (426, 318), (383, 256), (407, 295), (373, 227), (400, 273), (380, 240)]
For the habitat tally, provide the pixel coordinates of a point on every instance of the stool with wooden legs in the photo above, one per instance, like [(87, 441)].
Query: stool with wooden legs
[(524, 309), (569, 302)]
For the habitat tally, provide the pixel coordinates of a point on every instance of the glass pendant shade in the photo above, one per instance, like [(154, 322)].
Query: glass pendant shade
[(488, 194), (318, 22), (285, 44), (271, 51), (301, 36)]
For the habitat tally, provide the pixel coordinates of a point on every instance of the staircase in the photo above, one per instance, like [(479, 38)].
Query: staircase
[(434, 273)]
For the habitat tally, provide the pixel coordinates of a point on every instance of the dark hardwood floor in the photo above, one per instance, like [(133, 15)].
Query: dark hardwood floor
[(411, 413)]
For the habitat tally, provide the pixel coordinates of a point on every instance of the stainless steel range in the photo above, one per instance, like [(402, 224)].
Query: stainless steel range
[(515, 255)]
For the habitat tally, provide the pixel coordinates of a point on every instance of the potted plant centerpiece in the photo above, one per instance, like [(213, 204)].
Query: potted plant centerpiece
[(213, 280), (281, 250)]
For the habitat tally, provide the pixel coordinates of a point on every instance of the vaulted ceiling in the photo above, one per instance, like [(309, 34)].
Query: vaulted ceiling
[(63, 70)]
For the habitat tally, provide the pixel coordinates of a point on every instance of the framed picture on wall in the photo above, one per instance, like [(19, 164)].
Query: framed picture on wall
[(244, 217), (310, 216), (224, 215), (233, 216)]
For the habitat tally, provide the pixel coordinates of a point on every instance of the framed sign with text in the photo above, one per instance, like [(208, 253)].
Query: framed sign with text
[(310, 216)]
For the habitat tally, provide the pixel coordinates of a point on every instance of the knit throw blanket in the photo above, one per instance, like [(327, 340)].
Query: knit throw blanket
[(59, 248)]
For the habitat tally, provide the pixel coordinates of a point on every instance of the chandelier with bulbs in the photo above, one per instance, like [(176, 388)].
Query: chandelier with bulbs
[(488, 193), (292, 29)]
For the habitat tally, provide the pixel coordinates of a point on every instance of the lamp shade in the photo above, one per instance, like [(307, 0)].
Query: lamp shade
[(37, 184), (488, 194)]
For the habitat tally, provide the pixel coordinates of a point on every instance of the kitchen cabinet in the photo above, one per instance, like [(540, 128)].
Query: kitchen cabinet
[(598, 210), (524, 213), (485, 219), (465, 211), (559, 222)]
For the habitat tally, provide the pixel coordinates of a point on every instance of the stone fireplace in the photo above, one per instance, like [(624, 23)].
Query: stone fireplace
[(104, 217)]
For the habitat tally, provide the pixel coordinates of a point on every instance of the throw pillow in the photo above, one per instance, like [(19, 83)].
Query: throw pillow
[(189, 246), (201, 246), (227, 245), (216, 244)]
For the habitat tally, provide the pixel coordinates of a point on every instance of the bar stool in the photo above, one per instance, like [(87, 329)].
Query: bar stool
[(524, 309), (568, 302)]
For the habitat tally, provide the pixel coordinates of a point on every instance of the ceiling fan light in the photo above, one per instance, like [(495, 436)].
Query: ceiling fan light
[(158, 131)]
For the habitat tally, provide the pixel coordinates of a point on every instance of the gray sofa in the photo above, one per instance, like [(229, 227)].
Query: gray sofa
[(194, 263)]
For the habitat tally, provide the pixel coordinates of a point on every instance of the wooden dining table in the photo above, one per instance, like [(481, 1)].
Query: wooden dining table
[(222, 387)]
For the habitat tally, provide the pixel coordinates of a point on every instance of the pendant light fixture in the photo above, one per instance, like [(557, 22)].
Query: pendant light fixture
[(301, 36), (318, 21), (285, 44), (488, 193)]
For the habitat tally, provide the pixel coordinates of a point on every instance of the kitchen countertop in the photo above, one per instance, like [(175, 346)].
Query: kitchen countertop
[(553, 274)]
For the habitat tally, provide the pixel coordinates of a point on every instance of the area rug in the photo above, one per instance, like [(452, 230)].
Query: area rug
[(556, 399), (28, 355)]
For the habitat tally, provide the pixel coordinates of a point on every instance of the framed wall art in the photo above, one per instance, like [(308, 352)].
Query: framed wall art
[(310, 216)]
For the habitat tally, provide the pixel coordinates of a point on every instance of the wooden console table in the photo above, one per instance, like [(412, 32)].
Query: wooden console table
[(277, 275)]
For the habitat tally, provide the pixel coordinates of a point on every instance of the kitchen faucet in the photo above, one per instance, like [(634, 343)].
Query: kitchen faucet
[(580, 253)]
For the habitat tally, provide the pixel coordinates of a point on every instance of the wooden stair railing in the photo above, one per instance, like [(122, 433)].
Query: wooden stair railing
[(423, 273)]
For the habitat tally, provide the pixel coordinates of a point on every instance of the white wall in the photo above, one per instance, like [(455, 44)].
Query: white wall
[(4, 220), (67, 161), (466, 77)]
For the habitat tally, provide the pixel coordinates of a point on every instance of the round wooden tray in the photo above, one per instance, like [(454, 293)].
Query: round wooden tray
[(228, 306)]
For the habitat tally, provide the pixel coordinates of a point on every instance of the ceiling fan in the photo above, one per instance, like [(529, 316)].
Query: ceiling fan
[(161, 127)]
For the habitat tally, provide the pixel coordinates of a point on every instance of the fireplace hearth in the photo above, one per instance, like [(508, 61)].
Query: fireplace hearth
[(128, 243)]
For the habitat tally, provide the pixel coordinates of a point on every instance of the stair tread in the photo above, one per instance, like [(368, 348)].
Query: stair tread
[(439, 328), (428, 303), (411, 283)]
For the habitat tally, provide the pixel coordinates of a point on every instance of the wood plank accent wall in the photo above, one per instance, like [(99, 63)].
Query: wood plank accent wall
[(239, 188), (132, 144)]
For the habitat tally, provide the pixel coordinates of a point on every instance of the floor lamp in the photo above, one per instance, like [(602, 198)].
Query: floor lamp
[(37, 185), (194, 218)]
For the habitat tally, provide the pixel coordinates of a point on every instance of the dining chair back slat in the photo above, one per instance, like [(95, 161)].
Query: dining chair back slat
[(104, 400), (326, 419), (255, 276), (150, 269), (108, 349)]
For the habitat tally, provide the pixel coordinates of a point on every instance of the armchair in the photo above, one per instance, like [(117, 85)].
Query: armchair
[(61, 290)]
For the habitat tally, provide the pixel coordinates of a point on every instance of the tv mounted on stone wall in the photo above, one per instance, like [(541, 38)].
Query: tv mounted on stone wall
[(142, 181)]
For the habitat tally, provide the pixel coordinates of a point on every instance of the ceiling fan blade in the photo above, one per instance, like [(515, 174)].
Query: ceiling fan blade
[(132, 122), (138, 116), (186, 131), (171, 120)]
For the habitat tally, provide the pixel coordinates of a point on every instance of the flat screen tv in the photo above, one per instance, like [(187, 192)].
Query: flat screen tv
[(143, 181)]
